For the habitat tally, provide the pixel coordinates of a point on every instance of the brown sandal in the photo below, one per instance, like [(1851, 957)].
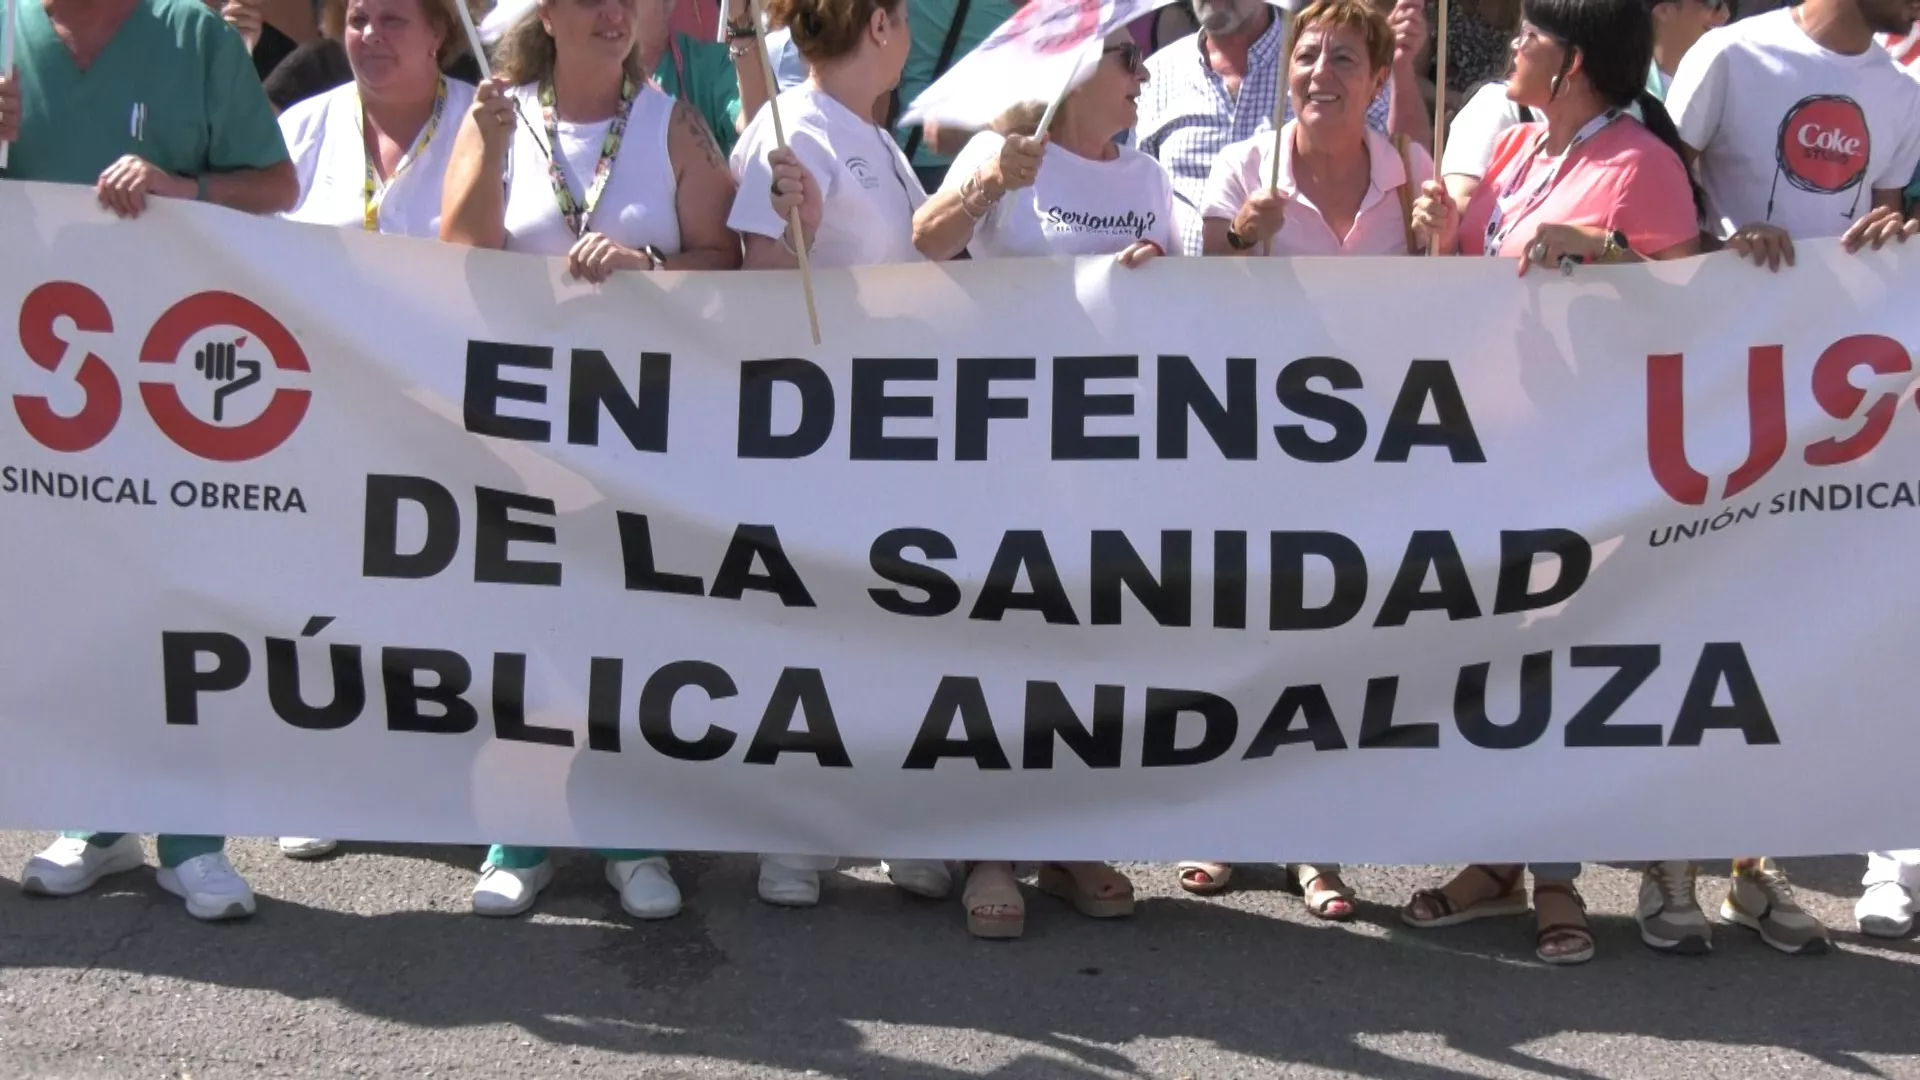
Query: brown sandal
[(1057, 879), (1546, 933), (1205, 878), (1511, 899)]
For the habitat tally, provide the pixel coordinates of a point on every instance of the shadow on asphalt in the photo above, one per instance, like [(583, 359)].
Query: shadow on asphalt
[(733, 980)]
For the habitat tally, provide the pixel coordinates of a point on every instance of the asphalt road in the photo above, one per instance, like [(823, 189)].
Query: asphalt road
[(368, 964)]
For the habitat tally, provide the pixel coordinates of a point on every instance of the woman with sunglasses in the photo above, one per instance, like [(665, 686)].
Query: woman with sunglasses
[(569, 151), (1070, 191), (1586, 183), (856, 195)]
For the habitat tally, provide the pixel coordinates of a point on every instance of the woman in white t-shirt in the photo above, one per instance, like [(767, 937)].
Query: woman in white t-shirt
[(855, 190), (1087, 195), (371, 154), (568, 151), (1073, 191), (856, 194), (1341, 188)]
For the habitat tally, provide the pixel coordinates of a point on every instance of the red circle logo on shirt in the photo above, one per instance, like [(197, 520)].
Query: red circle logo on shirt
[(1824, 144)]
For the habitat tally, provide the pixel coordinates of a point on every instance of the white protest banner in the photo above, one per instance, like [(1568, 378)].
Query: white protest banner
[(1046, 49), (1393, 560)]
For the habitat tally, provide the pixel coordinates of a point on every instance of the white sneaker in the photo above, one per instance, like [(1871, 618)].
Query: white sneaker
[(1886, 910), (1669, 913), (646, 887), (787, 886), (300, 847), (70, 866), (212, 888), (921, 877), (502, 892)]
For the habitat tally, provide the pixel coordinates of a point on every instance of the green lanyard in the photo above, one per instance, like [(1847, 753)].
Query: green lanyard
[(374, 192), (578, 212)]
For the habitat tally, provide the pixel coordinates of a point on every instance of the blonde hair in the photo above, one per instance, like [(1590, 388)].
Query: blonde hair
[(440, 14), (526, 52), (827, 29)]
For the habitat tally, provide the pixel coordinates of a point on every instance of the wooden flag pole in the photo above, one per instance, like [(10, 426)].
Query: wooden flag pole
[(6, 56), (1285, 76), (1439, 100), (780, 140)]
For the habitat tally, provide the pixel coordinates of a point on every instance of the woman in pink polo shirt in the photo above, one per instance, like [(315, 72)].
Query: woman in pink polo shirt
[(1599, 177), (1342, 188), (1586, 183)]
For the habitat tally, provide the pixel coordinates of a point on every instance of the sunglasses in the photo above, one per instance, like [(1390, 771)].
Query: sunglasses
[(1132, 58)]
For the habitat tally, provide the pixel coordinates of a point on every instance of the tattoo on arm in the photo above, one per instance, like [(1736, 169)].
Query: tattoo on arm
[(687, 117)]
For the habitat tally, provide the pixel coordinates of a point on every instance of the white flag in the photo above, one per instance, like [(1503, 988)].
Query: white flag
[(1045, 50)]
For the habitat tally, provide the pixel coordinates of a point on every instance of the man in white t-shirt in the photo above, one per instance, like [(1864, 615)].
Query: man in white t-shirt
[(1801, 125)]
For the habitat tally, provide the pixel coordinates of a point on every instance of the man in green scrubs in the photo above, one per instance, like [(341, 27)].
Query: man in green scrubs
[(142, 99), (152, 98)]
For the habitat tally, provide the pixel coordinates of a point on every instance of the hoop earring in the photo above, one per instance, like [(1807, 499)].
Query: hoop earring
[(1553, 88)]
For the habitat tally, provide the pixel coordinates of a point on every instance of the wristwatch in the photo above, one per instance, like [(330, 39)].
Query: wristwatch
[(1236, 241), (1614, 246)]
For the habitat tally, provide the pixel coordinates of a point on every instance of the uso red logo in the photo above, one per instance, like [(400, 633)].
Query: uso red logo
[(240, 358), (1824, 144)]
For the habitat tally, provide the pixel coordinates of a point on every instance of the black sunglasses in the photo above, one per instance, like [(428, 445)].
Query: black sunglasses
[(1132, 58)]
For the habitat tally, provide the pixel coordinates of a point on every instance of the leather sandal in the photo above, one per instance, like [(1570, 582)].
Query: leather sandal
[(995, 908), (1205, 878), (1057, 879), (1509, 899), (1578, 933), (1322, 891)]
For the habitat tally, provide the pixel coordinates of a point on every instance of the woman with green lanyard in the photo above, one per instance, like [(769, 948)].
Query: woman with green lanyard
[(569, 151), (371, 154)]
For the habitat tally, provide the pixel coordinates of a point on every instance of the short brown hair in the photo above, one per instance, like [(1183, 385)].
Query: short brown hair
[(1356, 15), (827, 29), (440, 14)]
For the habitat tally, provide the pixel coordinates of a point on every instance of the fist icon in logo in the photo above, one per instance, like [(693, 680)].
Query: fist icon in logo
[(219, 362)]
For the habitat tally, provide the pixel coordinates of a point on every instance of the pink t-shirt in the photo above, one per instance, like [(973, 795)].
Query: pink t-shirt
[(1380, 228), (1622, 178)]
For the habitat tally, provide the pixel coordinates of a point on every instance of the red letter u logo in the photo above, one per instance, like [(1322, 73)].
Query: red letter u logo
[(1667, 424)]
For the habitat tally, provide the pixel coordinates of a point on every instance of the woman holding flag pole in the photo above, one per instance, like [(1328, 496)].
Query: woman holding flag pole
[(1070, 190), (1051, 180), (568, 150), (821, 184), (1323, 183)]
